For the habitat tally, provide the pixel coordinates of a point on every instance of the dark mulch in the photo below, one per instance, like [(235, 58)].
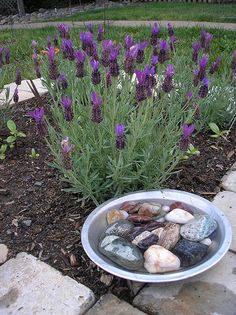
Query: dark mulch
[(31, 190)]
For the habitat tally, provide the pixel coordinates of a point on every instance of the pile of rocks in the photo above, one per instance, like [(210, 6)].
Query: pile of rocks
[(43, 14)]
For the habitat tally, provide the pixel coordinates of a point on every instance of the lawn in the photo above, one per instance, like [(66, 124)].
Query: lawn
[(19, 42), (162, 11)]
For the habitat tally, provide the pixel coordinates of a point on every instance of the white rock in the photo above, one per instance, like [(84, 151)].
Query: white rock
[(140, 237), (207, 241), (165, 208), (179, 216), (159, 260), (3, 253)]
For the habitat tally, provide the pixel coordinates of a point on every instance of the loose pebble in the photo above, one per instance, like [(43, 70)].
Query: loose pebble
[(179, 216), (207, 241), (169, 236), (157, 259), (115, 215)]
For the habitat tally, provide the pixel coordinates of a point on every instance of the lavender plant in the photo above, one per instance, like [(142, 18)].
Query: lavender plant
[(123, 114)]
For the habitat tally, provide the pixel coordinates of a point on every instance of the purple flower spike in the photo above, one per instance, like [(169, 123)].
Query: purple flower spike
[(94, 64), (36, 65), (18, 77), (167, 85), (66, 148), (196, 77), (7, 55), (100, 36), (141, 86), (185, 139), (129, 61), (53, 71), (189, 94), (113, 66), (203, 38), (172, 42), (170, 29), (154, 35), (63, 30), (215, 66), (55, 40), (96, 109), (90, 28), (196, 48), (96, 77), (208, 39), (38, 116), (49, 44), (16, 96), (62, 81), (204, 88), (66, 102), (67, 49), (108, 79), (51, 54), (140, 51), (129, 42), (154, 61), (80, 58), (202, 67), (163, 55), (120, 142)]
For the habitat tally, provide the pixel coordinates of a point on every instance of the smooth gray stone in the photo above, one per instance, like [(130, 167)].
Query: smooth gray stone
[(198, 228), (120, 228), (122, 252)]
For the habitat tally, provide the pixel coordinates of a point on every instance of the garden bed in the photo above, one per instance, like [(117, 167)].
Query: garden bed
[(38, 217)]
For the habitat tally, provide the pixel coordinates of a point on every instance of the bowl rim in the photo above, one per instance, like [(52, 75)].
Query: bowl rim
[(156, 278)]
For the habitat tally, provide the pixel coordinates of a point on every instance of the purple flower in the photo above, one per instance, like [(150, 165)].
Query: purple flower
[(1, 56), (67, 49), (36, 66), (80, 58), (18, 77), (90, 28), (215, 66), (170, 29), (172, 42), (55, 40), (140, 51), (167, 85), (129, 61), (16, 96), (189, 94), (196, 77), (66, 148), (155, 50), (204, 88), (154, 35), (187, 132), (202, 67), (96, 77), (120, 142), (233, 62), (208, 39), (38, 116), (89, 44), (53, 71), (105, 56), (203, 38), (129, 42), (196, 48), (49, 44), (96, 109), (108, 79), (62, 81), (7, 55), (154, 61), (141, 87), (163, 55), (100, 36), (63, 30), (66, 102), (113, 67)]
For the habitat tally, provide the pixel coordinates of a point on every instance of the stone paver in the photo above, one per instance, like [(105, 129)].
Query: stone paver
[(29, 286), (212, 292), (229, 181), (226, 26), (3, 253), (111, 305), (226, 201), (24, 91)]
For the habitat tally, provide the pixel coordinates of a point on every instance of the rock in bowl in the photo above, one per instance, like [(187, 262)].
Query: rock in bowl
[(96, 224)]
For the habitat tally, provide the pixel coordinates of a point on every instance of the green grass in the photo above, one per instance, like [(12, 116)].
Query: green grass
[(19, 41), (162, 11)]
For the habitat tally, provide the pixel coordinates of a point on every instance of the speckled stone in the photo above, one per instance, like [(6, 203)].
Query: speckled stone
[(122, 252), (120, 228), (198, 228), (169, 236)]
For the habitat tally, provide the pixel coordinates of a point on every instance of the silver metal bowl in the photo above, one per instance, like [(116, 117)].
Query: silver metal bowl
[(96, 223)]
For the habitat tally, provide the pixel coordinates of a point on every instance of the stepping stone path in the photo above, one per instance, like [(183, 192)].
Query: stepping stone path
[(29, 286)]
